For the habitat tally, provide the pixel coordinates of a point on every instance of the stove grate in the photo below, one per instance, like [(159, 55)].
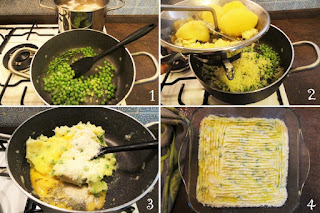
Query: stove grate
[(206, 94), (6, 38)]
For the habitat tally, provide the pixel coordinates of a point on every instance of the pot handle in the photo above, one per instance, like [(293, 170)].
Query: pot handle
[(117, 7), (45, 6), (310, 66), (5, 137), (156, 65), (304, 164)]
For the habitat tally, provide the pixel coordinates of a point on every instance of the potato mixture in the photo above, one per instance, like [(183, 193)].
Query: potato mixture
[(62, 172), (243, 162), (234, 19), (258, 66)]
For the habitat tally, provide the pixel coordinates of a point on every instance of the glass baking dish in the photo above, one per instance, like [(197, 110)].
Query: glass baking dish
[(299, 159)]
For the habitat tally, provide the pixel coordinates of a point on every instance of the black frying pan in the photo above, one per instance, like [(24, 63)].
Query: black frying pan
[(124, 188), (125, 72), (280, 42)]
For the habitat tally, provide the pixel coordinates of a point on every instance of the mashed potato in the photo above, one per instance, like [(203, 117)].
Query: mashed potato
[(64, 158), (234, 19), (253, 70)]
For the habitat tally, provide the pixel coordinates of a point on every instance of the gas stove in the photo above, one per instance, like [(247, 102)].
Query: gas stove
[(16, 88), (15, 85), (181, 87)]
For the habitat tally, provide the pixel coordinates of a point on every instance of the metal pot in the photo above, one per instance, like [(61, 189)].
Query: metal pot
[(169, 17), (186, 9), (89, 14), (280, 42), (124, 188)]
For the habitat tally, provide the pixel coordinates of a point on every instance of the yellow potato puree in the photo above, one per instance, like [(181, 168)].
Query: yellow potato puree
[(62, 173), (243, 162), (234, 19)]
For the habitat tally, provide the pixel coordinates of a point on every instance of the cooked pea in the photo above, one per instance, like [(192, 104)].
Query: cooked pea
[(64, 89)]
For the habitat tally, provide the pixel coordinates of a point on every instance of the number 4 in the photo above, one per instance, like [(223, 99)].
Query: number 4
[(310, 204)]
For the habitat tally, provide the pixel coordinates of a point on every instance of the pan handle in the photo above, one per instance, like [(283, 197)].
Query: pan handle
[(156, 65), (310, 66), (116, 7), (148, 125), (304, 164), (5, 137), (45, 6), (4, 172)]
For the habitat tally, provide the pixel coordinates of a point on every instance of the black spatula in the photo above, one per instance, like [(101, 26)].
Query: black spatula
[(127, 147), (83, 65)]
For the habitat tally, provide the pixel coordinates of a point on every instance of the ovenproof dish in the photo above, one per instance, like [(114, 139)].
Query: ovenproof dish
[(243, 162)]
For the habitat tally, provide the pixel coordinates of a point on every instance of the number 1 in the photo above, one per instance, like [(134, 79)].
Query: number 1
[(152, 95)]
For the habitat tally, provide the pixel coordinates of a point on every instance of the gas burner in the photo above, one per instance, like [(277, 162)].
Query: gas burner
[(22, 58), (176, 62), (179, 66)]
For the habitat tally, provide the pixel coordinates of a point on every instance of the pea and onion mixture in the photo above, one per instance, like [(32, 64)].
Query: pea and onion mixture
[(67, 90), (258, 66)]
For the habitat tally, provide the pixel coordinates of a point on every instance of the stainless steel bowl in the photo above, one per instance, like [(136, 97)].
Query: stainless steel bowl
[(169, 17)]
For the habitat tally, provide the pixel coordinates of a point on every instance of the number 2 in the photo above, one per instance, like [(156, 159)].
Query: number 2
[(150, 204), (310, 204), (312, 92)]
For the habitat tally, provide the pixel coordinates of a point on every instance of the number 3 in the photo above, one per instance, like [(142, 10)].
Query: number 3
[(150, 204), (312, 92)]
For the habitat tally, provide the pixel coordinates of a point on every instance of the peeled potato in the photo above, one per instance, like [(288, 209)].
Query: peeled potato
[(207, 16), (193, 30), (233, 5), (237, 21)]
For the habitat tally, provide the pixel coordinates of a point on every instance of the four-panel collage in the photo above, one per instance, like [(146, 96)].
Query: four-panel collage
[(159, 106)]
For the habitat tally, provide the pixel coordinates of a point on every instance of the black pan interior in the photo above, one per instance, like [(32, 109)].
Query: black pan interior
[(127, 183), (120, 58)]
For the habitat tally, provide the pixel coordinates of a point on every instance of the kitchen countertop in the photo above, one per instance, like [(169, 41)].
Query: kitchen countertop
[(309, 118), (140, 94), (298, 84)]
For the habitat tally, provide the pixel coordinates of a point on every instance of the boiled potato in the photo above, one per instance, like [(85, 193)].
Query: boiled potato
[(237, 21), (207, 16), (193, 30), (232, 5)]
